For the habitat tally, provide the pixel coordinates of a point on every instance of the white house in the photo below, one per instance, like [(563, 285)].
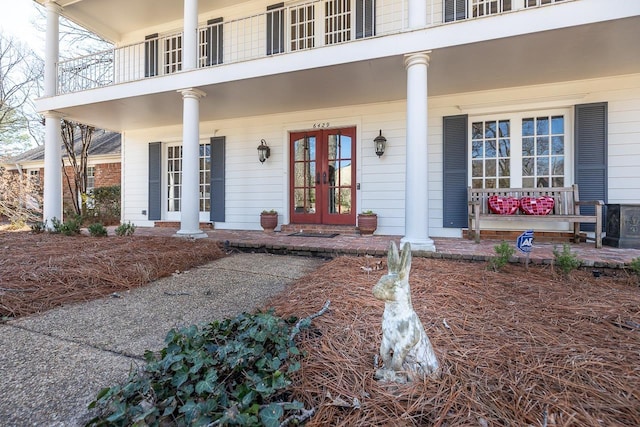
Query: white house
[(506, 93)]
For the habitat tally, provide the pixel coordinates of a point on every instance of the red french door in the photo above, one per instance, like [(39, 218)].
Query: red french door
[(322, 170)]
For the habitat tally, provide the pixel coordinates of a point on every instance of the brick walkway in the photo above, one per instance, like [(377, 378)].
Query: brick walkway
[(282, 243)]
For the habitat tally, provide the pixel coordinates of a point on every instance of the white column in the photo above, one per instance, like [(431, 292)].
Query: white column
[(52, 199), (52, 43), (190, 36), (190, 199), (417, 173), (417, 13)]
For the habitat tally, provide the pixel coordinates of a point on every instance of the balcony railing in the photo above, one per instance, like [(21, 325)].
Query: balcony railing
[(278, 31)]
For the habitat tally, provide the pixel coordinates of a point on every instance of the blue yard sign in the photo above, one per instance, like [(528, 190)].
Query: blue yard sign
[(525, 241)]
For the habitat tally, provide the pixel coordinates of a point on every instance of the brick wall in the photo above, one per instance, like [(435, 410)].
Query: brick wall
[(106, 175)]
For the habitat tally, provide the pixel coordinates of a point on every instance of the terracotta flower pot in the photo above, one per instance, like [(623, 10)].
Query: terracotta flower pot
[(269, 220), (367, 223)]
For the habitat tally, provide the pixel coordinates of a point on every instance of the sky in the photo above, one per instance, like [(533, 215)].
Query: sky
[(16, 20)]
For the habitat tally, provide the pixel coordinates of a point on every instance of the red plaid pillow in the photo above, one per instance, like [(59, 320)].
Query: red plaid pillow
[(503, 205), (536, 206)]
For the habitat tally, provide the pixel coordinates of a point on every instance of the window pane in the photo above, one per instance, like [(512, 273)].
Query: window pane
[(542, 146), (543, 182), (542, 125), (490, 130), (557, 165), (477, 149), (557, 145), (527, 182), (477, 169), (542, 166), (490, 183), (527, 127), (490, 149), (505, 167), (476, 183), (527, 146), (558, 182), (505, 132), (527, 166), (490, 168), (557, 125), (505, 148), (476, 130), (505, 182)]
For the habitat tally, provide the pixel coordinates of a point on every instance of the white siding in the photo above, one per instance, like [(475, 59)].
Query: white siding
[(252, 187)]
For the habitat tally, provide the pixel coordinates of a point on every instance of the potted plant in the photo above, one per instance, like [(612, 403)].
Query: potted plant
[(269, 220), (367, 222)]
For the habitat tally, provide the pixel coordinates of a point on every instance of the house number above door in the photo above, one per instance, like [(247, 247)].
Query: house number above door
[(321, 125)]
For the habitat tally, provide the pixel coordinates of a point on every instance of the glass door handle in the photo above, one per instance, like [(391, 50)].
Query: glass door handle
[(324, 178)]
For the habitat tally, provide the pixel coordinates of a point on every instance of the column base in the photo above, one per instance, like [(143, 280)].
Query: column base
[(191, 234), (425, 245)]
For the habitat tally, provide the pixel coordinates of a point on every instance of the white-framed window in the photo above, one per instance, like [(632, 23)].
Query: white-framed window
[(91, 178), (337, 21), (489, 7), (172, 53), (524, 149), (302, 25), (174, 177)]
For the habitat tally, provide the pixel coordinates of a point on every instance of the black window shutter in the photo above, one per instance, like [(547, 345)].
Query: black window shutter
[(151, 55), (214, 41), (591, 130), (275, 28), (455, 10), (455, 172), (365, 18), (217, 179), (155, 181)]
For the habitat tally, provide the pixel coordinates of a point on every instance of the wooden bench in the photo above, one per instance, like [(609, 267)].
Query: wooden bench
[(566, 209)]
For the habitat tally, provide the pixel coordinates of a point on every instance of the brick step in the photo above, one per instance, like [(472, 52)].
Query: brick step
[(176, 224), (349, 230), (540, 236)]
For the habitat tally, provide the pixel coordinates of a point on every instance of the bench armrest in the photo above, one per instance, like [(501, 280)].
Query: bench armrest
[(590, 203)]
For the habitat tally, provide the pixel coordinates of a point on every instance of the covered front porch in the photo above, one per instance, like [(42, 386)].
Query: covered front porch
[(356, 245)]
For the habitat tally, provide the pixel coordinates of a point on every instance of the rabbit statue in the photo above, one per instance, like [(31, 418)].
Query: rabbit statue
[(405, 349)]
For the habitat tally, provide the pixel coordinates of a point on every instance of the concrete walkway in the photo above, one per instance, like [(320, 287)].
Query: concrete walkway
[(52, 365)]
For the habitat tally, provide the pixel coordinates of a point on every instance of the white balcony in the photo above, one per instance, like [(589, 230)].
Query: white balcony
[(279, 31)]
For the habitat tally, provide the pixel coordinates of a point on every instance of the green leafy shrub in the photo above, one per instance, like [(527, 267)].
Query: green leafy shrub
[(69, 227), (566, 261), (504, 252), (635, 266), (97, 230), (125, 229), (38, 227), (105, 204), (233, 372)]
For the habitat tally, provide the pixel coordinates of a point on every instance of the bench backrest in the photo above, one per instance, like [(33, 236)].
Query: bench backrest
[(565, 198)]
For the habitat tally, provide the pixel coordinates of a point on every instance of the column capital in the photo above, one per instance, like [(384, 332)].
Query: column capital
[(52, 114), (192, 93), (417, 59), (52, 6)]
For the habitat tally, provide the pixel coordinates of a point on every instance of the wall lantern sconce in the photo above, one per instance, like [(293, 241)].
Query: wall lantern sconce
[(263, 151), (380, 143)]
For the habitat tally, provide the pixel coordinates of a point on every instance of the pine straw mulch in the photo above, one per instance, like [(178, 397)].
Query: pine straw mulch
[(42, 271), (516, 347)]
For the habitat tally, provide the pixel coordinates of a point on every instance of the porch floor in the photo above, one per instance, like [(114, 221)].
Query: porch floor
[(356, 245)]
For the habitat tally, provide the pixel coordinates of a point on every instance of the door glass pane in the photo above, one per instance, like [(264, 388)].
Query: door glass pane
[(304, 175), (339, 174)]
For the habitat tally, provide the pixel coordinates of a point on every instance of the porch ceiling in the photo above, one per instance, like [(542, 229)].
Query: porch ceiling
[(106, 19), (589, 51)]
